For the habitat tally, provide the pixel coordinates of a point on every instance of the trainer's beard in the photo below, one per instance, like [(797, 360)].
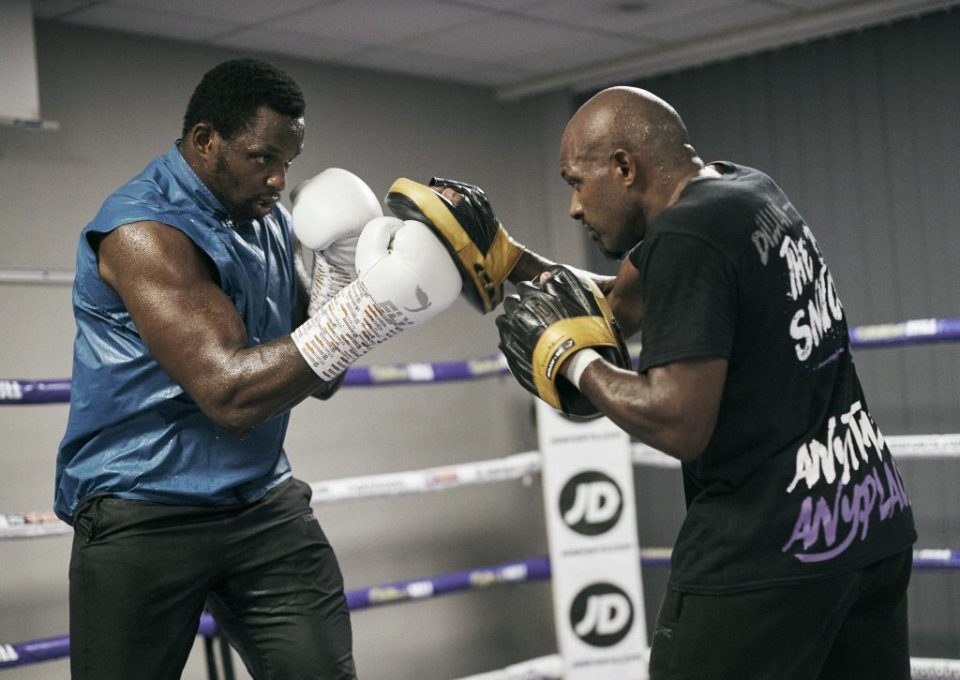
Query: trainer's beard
[(636, 224), (614, 255), (639, 224)]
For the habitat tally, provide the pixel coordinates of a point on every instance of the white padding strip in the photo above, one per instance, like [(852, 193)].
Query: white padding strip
[(551, 668), (518, 466), (542, 668), (941, 669), (925, 445)]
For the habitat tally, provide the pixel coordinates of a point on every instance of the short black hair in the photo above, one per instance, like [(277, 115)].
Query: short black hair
[(229, 95)]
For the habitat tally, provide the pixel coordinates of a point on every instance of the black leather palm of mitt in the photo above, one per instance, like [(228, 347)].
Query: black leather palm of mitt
[(543, 325), (474, 209)]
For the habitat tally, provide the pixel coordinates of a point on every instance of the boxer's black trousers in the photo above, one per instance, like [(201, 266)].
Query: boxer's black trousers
[(141, 574)]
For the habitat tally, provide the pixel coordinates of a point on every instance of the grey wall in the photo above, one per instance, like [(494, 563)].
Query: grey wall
[(119, 100), (860, 131)]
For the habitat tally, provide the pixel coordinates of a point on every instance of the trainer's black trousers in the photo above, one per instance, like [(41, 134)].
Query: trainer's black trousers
[(844, 627), (141, 574)]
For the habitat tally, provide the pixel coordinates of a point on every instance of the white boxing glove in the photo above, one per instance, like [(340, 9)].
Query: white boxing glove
[(329, 212), (405, 278)]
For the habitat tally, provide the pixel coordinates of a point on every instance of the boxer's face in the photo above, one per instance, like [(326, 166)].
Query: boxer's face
[(248, 172)]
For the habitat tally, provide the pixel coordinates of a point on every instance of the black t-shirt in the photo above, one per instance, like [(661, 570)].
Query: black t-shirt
[(796, 481)]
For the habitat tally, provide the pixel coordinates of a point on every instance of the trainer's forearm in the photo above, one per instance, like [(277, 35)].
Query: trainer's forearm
[(672, 408), (528, 267), (633, 403), (531, 265)]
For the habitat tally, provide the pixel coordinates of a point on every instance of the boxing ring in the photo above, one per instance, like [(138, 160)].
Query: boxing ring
[(520, 466)]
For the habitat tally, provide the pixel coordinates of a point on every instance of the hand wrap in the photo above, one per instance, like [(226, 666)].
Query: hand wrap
[(329, 212), (404, 278)]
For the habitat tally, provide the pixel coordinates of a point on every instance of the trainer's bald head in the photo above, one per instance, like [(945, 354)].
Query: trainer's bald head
[(626, 156), (631, 119)]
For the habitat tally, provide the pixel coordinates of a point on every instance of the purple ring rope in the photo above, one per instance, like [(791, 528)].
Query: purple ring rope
[(58, 391), (34, 391), (905, 333), (519, 571), (13, 391)]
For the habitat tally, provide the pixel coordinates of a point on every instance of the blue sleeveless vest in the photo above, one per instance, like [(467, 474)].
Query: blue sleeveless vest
[(132, 431)]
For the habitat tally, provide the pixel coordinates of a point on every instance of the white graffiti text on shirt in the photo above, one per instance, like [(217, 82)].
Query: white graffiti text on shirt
[(846, 449)]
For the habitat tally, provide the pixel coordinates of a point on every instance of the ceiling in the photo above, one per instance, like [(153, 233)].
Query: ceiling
[(516, 47)]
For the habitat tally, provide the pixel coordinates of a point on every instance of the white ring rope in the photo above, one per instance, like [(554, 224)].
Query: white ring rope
[(517, 466), (551, 668), (541, 668)]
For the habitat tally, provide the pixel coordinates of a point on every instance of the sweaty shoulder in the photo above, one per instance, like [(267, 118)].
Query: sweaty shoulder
[(718, 207), (135, 250)]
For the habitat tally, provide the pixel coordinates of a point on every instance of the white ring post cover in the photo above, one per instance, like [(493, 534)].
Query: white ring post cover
[(591, 519)]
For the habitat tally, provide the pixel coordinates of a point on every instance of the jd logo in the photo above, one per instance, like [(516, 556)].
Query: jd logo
[(601, 615), (591, 503)]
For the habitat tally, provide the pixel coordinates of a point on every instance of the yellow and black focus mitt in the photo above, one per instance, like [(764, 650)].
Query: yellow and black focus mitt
[(480, 245), (545, 324)]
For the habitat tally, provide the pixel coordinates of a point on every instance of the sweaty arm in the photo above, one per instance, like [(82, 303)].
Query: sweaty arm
[(672, 408), (195, 333), (528, 267), (622, 291), (687, 302)]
